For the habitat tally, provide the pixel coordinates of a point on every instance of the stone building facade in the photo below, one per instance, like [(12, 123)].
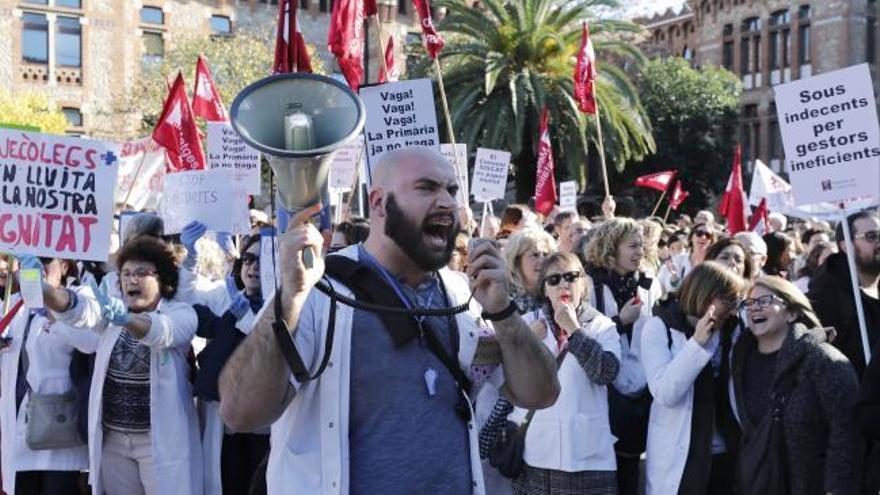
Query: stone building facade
[(768, 42), (82, 53)]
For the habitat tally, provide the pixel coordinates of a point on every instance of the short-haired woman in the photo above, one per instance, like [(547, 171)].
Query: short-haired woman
[(786, 353), (143, 430), (524, 253), (684, 352)]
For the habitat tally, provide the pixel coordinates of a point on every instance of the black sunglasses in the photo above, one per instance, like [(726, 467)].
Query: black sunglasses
[(570, 277), (705, 234)]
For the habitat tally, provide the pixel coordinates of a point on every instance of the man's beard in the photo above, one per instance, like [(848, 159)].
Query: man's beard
[(409, 236), (870, 264)]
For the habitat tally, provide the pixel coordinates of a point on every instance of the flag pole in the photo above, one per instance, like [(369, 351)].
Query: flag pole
[(668, 210), (380, 33), (7, 293), (657, 206), (137, 174), (601, 152), (854, 278), (445, 104)]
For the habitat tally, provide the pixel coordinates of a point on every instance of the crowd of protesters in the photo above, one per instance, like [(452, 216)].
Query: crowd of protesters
[(586, 355)]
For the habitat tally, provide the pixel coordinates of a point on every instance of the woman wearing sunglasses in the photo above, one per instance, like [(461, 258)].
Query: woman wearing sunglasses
[(569, 447), (676, 268), (784, 368), (231, 459), (684, 353)]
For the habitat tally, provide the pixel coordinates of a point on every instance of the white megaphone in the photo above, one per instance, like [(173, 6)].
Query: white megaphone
[(298, 121)]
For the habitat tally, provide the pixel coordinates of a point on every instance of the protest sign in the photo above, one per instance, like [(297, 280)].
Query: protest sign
[(269, 259), (198, 195), (457, 156), (399, 114), (228, 151), (831, 135), (568, 195), (345, 164), (490, 174), (56, 195), (141, 168)]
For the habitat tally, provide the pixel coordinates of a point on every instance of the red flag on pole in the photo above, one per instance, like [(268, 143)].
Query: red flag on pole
[(433, 42), (734, 205), (346, 39), (178, 133), (370, 8), (585, 74), (206, 102), (659, 181), (545, 184), (389, 62), (290, 48), (678, 196), (758, 223)]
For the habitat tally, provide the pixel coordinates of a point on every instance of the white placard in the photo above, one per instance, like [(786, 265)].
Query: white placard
[(145, 159), (490, 174), (399, 114), (345, 164), (831, 136), (268, 276), (458, 158), (30, 283), (568, 195), (198, 195), (56, 195), (228, 151)]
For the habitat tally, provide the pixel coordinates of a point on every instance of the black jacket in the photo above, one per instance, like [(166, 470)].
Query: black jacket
[(832, 298), (823, 443)]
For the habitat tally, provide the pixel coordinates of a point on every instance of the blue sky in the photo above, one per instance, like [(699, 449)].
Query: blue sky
[(643, 7)]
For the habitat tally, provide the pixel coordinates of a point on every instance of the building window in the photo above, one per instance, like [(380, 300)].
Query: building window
[(780, 43), (804, 39), (70, 4), (152, 15), (750, 52), (74, 116), (325, 5), (304, 4), (68, 42), (750, 136), (728, 30), (727, 55), (687, 53), (34, 38), (402, 5), (871, 40), (37, 2), (221, 25), (154, 48)]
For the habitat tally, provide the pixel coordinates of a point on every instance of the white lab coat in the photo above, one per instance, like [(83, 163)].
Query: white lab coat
[(671, 374), (49, 347), (174, 428)]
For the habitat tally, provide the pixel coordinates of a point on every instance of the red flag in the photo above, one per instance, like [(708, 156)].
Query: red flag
[(346, 39), (206, 101), (585, 74), (678, 196), (178, 133), (389, 62), (758, 223), (545, 184), (370, 8), (289, 56), (659, 181), (12, 311), (433, 42), (734, 204)]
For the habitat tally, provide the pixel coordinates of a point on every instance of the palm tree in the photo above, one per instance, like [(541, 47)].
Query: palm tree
[(506, 59)]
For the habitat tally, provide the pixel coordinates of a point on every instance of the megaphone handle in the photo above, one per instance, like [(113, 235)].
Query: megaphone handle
[(309, 257)]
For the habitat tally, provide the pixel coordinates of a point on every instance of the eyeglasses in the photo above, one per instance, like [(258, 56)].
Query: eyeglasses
[(137, 274), (249, 259), (872, 236), (731, 302), (570, 277), (762, 302), (705, 234)]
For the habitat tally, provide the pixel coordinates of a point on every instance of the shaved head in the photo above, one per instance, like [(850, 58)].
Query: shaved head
[(388, 168)]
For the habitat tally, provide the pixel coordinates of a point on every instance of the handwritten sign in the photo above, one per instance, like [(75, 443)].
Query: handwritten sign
[(268, 274), (144, 192), (399, 114), (831, 136), (197, 195), (345, 164), (568, 195), (56, 195), (458, 158), (227, 151), (490, 174)]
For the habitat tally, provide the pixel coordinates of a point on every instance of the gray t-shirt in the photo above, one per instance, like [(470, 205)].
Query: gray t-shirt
[(402, 439)]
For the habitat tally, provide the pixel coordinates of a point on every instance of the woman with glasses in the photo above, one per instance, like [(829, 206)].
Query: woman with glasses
[(44, 359), (143, 429), (626, 295), (684, 353), (231, 459), (784, 368), (675, 269), (525, 253), (569, 447)]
